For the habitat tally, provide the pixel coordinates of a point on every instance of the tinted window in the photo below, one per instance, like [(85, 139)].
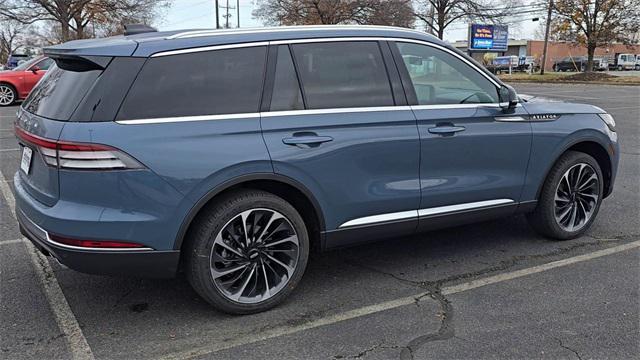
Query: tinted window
[(202, 83), (286, 89), (343, 74), (59, 92), (441, 78), (45, 64)]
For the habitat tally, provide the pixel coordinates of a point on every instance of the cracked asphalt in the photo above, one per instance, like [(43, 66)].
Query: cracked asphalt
[(586, 309)]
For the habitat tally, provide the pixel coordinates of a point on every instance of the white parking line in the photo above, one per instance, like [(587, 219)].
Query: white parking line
[(65, 318), (14, 241), (388, 305)]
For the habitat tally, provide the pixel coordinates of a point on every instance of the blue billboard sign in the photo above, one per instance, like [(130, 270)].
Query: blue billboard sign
[(488, 37)]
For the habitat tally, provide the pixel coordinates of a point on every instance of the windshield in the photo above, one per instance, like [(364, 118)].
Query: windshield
[(25, 65)]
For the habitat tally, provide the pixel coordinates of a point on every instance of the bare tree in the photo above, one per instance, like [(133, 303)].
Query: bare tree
[(72, 17), (10, 36), (594, 23), (313, 12), (440, 14)]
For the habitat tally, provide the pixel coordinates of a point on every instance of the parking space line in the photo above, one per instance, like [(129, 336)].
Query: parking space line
[(393, 304), (65, 318), (12, 149), (9, 242), (623, 107)]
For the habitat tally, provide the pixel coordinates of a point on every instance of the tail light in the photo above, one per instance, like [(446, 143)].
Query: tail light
[(79, 156)]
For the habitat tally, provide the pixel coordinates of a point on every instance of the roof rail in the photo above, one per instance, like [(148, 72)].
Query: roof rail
[(213, 32), (132, 29)]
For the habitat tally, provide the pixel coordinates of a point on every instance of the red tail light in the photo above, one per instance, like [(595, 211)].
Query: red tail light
[(109, 244), (79, 156)]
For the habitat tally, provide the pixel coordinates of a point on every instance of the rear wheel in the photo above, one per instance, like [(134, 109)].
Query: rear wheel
[(620, 68), (570, 197), (8, 94), (247, 252)]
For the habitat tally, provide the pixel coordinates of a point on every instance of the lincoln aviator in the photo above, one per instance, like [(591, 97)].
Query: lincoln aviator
[(230, 155)]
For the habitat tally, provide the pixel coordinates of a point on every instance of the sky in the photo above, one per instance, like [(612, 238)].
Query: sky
[(190, 14)]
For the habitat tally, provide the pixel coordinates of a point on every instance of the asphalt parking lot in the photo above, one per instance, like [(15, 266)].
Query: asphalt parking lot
[(489, 290)]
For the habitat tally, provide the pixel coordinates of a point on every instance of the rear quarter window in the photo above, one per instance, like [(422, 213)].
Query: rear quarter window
[(59, 92), (201, 83)]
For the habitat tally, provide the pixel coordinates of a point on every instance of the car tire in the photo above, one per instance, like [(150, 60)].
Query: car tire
[(216, 245), (573, 186), (8, 94), (620, 68)]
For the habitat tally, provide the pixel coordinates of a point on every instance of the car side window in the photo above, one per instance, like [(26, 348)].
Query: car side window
[(201, 83), (286, 88), (441, 78), (343, 74), (44, 64)]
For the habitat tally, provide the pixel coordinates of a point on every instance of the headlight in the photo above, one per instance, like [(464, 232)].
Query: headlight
[(608, 119)]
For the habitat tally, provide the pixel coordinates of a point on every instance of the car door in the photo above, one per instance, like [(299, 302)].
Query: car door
[(346, 136), (473, 156)]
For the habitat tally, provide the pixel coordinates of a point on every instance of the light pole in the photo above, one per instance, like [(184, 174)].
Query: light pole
[(546, 38)]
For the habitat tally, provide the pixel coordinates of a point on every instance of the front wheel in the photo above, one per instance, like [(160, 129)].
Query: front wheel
[(247, 252), (570, 197), (8, 95)]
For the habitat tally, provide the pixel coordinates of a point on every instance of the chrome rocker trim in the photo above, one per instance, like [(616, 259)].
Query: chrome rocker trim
[(403, 215)]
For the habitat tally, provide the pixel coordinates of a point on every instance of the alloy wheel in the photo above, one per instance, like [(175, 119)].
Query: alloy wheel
[(576, 197), (254, 256), (6, 95)]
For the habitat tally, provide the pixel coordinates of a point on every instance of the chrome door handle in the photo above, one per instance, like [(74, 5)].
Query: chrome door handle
[(445, 130), (307, 140)]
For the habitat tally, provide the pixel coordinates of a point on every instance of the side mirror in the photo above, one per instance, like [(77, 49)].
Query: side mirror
[(35, 69), (508, 97)]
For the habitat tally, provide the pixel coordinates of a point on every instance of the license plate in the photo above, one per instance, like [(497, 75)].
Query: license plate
[(25, 164)]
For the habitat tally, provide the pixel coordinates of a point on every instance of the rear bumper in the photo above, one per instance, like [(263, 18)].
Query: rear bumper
[(142, 263)]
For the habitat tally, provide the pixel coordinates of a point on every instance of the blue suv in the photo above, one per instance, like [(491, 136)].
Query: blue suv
[(230, 155)]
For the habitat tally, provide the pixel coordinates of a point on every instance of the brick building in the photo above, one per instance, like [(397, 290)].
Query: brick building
[(556, 50)]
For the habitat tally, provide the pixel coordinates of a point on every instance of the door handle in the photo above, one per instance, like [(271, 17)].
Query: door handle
[(445, 130), (306, 140)]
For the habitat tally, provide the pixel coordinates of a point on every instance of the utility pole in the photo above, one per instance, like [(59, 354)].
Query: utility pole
[(227, 14), (217, 15), (238, 11), (546, 38)]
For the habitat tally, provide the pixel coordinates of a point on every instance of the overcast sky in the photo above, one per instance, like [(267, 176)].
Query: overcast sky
[(190, 14)]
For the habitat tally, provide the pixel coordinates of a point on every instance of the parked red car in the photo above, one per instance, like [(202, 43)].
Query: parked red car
[(17, 83)]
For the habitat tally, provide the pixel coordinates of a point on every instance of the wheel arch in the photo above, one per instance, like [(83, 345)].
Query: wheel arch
[(593, 148), (289, 189)]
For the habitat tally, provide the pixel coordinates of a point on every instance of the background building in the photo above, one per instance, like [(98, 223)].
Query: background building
[(556, 50)]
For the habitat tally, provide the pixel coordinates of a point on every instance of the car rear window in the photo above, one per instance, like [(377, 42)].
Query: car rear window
[(59, 92), (202, 83)]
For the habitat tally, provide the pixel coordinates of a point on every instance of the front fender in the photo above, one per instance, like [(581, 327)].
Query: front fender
[(551, 139)]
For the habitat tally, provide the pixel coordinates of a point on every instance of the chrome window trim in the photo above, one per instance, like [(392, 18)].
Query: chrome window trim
[(176, 119), (328, 39), (210, 48), (439, 210), (311, 111), (334, 111), (300, 113)]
